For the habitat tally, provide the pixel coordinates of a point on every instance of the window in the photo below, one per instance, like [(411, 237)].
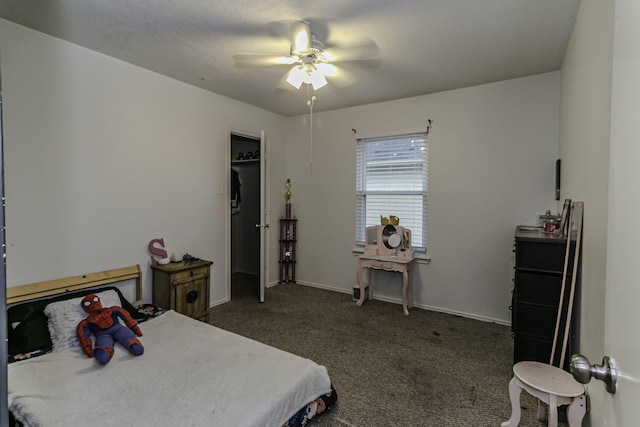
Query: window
[(391, 179)]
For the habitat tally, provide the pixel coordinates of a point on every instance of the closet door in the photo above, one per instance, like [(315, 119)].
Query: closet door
[(264, 215)]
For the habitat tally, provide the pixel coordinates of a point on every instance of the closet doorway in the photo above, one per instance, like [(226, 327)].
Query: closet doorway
[(249, 219)]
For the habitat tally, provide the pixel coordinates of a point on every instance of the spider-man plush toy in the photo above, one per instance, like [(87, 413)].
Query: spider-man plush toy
[(104, 324)]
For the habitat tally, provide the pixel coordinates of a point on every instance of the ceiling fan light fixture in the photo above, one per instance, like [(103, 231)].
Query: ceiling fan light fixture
[(306, 73), (296, 76), (317, 79)]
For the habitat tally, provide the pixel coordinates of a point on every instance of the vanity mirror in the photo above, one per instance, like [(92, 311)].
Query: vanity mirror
[(389, 240)]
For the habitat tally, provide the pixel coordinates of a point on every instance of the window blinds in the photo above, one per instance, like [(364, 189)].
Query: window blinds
[(391, 179)]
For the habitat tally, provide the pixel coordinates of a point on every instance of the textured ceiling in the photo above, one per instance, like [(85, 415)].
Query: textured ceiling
[(426, 46)]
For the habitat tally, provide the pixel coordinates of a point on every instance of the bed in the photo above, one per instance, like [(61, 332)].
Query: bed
[(191, 373)]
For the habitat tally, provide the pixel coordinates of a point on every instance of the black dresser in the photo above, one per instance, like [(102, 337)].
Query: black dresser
[(539, 266)]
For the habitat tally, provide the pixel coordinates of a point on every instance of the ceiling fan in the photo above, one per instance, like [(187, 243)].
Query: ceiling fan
[(310, 61)]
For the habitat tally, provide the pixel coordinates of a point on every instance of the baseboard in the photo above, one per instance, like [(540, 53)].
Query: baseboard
[(421, 306), (386, 299)]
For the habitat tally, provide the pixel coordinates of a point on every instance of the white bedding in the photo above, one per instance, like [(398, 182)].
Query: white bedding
[(191, 374)]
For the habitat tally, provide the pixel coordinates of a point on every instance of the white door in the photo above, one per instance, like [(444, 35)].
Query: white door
[(264, 215), (622, 313)]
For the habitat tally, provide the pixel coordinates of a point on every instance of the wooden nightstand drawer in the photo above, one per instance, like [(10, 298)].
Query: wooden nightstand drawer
[(187, 275)]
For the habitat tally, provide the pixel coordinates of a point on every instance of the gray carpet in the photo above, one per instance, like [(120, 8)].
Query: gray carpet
[(427, 369)]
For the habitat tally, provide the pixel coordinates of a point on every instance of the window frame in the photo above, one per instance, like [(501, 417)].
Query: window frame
[(363, 175)]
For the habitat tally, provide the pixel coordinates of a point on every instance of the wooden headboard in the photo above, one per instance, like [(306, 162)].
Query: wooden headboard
[(74, 283)]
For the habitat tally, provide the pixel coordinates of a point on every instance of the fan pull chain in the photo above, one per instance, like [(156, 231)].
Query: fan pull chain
[(310, 104)]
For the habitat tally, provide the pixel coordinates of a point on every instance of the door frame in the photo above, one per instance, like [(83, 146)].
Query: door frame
[(264, 209)]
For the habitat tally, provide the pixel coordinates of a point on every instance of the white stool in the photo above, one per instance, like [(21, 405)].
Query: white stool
[(552, 386)]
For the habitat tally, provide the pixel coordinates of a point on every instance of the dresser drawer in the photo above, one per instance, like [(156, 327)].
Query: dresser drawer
[(534, 320), (540, 289), (542, 256), (526, 347)]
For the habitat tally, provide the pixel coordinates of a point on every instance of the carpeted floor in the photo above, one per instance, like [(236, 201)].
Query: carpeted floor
[(427, 369)]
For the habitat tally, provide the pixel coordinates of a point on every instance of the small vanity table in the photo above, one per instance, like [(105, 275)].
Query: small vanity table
[(387, 247), (388, 263)]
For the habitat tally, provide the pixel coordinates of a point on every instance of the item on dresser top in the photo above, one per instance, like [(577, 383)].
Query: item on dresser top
[(549, 223), (190, 258)]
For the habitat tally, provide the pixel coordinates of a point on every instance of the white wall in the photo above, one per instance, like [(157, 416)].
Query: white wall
[(102, 156), (584, 148), (492, 160)]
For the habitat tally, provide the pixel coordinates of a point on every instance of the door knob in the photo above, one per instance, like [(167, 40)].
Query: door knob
[(583, 371), (260, 225)]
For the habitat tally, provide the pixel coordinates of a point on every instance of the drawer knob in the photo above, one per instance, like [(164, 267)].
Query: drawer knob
[(192, 297)]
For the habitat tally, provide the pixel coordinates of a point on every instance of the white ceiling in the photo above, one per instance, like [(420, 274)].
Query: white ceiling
[(426, 46)]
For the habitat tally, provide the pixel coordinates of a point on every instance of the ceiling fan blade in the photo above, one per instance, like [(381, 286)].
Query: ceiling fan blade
[(300, 37), (260, 60), (365, 52), (338, 76)]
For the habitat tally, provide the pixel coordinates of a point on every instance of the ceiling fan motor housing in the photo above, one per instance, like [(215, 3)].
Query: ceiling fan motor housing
[(311, 63)]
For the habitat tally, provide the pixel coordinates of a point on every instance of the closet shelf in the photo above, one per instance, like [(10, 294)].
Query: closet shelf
[(235, 162)]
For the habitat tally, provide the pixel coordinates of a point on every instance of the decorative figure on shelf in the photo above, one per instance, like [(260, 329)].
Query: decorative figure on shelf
[(287, 194)]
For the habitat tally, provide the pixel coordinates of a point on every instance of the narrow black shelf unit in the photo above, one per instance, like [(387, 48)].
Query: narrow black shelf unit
[(288, 248)]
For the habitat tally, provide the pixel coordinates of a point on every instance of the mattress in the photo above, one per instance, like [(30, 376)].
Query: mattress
[(191, 374)]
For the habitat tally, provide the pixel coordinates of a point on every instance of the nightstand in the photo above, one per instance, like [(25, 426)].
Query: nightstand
[(183, 287)]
